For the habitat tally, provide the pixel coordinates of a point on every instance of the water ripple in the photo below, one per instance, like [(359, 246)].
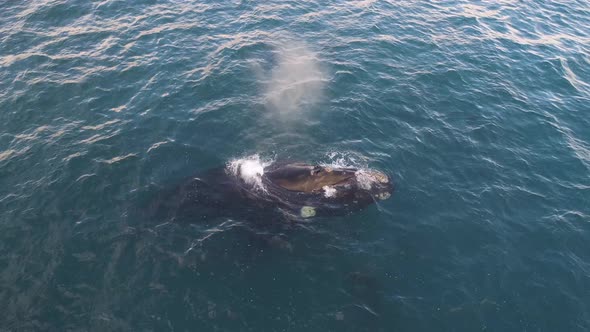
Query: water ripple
[(477, 110)]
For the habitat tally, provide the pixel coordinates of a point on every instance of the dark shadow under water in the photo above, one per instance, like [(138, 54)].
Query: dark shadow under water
[(240, 233)]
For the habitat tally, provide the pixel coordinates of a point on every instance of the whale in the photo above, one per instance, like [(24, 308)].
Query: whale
[(295, 191)]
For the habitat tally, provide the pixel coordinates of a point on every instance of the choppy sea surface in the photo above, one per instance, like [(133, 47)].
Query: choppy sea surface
[(480, 112)]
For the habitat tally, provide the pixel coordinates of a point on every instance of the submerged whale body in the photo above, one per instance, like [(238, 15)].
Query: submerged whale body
[(297, 191)]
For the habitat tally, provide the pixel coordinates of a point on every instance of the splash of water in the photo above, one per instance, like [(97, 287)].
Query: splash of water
[(250, 169)]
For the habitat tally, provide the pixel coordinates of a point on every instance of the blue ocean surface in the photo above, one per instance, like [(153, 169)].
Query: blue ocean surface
[(479, 112)]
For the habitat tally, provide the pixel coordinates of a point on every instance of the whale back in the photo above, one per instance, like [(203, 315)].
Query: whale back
[(307, 178)]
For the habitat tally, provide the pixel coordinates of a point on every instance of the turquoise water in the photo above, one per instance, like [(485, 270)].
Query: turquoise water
[(478, 111)]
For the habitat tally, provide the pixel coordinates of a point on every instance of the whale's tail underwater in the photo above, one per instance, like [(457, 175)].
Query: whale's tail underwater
[(295, 190)]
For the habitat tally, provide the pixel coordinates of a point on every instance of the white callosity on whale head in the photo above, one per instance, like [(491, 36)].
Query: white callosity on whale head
[(250, 169), (366, 179), (383, 196), (329, 191), (307, 212)]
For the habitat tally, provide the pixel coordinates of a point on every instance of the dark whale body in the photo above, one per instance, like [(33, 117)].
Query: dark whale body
[(295, 191)]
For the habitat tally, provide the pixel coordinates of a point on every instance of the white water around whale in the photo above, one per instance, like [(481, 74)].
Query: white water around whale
[(250, 169)]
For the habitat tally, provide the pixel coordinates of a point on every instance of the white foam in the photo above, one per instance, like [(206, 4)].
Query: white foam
[(250, 169)]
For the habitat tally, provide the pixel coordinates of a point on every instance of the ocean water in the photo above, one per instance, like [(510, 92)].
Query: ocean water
[(479, 111)]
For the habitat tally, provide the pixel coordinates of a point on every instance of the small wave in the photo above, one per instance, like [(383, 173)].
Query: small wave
[(6, 154), (338, 159), (117, 159)]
